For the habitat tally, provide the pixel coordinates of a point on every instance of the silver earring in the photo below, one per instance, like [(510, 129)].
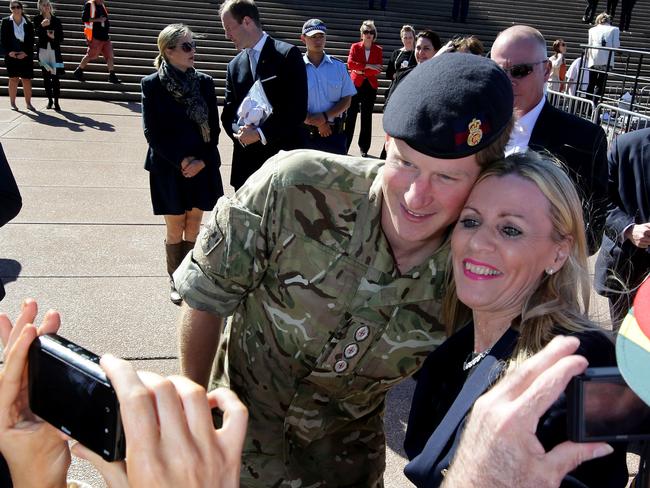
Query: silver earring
[(550, 271)]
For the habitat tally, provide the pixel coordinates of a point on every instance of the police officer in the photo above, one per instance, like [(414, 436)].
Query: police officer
[(331, 271), (330, 91)]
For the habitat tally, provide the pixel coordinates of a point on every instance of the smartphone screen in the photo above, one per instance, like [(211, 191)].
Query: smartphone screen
[(604, 408), (70, 392)]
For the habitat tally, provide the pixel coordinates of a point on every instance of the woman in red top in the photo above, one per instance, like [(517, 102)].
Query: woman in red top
[(364, 62)]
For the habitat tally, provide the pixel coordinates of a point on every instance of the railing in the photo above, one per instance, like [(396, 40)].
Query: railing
[(616, 120), (582, 107)]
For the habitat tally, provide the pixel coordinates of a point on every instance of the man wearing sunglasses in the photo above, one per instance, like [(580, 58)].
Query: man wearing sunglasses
[(280, 69), (581, 145)]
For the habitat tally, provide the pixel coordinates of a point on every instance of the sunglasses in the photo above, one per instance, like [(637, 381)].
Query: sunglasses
[(368, 32), (16, 7), (521, 70), (187, 47)]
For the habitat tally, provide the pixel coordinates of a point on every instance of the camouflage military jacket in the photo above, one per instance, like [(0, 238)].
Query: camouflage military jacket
[(322, 323)]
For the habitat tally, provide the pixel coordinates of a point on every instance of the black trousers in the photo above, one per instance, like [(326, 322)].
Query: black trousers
[(363, 101), (52, 85), (626, 15), (590, 11), (596, 87), (611, 7), (459, 10)]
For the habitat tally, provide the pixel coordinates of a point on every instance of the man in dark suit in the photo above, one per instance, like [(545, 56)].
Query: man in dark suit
[(581, 145), (624, 257), (10, 205), (281, 70)]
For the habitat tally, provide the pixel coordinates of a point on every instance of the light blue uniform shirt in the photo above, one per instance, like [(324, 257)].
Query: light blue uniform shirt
[(327, 84)]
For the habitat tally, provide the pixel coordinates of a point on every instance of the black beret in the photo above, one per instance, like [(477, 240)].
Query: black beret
[(451, 106)]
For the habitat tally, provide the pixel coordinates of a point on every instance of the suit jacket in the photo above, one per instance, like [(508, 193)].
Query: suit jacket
[(281, 69), (582, 147), (357, 62), (629, 188), (171, 134), (9, 41), (10, 200)]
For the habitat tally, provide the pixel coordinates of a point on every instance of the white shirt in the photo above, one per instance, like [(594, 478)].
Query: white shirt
[(602, 35), (572, 75), (521, 132), (255, 51), (19, 29)]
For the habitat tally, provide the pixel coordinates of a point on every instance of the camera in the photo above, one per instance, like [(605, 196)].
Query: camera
[(601, 407), (68, 389)]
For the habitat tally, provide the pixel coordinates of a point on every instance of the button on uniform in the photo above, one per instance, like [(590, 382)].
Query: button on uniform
[(362, 333), (340, 366), (351, 350)]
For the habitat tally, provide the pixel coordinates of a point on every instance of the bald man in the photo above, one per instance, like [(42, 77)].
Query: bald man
[(581, 145)]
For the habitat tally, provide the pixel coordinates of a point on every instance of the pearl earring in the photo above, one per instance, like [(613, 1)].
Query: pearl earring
[(550, 271)]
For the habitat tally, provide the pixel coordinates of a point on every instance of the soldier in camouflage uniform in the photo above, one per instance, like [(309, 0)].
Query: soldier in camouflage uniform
[(332, 270)]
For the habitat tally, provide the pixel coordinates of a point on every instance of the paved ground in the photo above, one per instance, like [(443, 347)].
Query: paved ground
[(87, 244)]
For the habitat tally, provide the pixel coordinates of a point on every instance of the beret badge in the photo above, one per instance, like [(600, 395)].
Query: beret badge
[(475, 132)]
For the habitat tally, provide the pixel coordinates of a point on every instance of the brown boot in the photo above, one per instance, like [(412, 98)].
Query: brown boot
[(187, 247), (175, 255)]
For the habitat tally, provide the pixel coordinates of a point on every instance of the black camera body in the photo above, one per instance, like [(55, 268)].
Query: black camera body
[(68, 389), (602, 407)]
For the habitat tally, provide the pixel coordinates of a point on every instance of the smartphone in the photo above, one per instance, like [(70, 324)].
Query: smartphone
[(68, 389), (601, 407)]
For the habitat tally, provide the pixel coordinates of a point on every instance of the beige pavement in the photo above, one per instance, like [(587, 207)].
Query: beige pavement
[(87, 244)]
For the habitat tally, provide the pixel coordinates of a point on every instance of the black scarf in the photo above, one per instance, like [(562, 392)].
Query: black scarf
[(184, 87)]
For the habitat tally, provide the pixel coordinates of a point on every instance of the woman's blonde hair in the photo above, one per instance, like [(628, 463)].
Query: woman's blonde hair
[(557, 44), (40, 3), (405, 28), (560, 304), (168, 39), (368, 25), (603, 18)]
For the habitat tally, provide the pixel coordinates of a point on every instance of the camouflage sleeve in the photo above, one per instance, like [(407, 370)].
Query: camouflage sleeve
[(231, 254)]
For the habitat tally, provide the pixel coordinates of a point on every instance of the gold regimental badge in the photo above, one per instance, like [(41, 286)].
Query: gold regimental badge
[(475, 133)]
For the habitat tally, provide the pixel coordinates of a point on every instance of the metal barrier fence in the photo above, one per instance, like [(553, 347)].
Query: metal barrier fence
[(616, 120), (582, 107)]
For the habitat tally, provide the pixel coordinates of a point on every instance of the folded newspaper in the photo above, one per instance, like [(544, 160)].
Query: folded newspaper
[(254, 109)]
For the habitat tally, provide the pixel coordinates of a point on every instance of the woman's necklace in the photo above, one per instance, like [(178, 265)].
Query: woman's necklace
[(474, 358)]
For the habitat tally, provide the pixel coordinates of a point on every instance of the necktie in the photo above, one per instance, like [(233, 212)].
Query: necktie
[(253, 61)]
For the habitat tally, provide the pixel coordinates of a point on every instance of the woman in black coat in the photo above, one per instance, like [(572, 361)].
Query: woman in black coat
[(49, 35), (181, 125), (17, 36)]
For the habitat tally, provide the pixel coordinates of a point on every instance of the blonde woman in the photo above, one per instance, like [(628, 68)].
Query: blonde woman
[(404, 57), (181, 125), (365, 63), (519, 258), (49, 36)]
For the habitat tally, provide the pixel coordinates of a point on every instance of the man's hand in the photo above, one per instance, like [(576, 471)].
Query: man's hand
[(639, 235), (499, 447), (325, 130), (247, 135), (316, 119), (170, 438), (37, 454)]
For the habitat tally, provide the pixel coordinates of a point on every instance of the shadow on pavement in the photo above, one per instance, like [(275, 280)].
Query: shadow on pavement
[(72, 121)]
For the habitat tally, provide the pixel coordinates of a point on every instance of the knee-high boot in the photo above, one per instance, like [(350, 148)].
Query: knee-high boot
[(175, 255)]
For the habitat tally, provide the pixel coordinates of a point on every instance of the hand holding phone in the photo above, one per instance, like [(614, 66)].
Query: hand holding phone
[(169, 428), (35, 452)]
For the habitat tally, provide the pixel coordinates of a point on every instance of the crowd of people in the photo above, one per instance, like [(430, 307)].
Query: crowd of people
[(325, 280)]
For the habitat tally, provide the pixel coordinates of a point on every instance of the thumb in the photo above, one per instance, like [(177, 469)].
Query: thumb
[(113, 473), (567, 456)]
